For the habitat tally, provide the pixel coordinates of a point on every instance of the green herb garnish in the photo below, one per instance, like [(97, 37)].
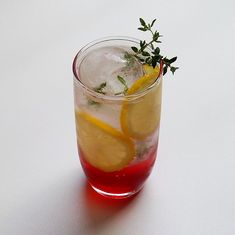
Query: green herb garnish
[(100, 88), (130, 59), (122, 80), (153, 56)]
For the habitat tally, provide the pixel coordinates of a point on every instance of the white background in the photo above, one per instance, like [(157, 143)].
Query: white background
[(42, 188)]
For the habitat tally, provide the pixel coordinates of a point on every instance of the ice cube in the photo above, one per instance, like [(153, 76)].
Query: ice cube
[(105, 65)]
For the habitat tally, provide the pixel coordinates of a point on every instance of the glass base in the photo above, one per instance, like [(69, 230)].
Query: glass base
[(115, 195)]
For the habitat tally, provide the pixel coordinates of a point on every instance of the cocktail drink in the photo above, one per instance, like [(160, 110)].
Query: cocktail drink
[(117, 109), (117, 106)]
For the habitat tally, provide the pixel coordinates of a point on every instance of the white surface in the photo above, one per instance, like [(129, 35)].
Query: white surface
[(43, 190)]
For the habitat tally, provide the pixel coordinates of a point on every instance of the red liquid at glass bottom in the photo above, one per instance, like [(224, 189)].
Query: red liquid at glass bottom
[(123, 183)]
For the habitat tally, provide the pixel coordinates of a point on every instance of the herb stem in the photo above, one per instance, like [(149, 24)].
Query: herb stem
[(122, 80), (152, 57), (100, 88)]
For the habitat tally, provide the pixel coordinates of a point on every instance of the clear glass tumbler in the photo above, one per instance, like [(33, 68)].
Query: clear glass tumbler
[(117, 135)]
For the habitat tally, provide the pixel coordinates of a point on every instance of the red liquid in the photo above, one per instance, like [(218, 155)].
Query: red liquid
[(128, 180)]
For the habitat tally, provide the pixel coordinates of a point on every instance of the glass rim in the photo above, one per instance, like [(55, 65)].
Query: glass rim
[(97, 95)]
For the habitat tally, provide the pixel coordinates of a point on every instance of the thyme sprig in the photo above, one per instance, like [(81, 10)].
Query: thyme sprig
[(100, 88), (123, 81), (149, 52)]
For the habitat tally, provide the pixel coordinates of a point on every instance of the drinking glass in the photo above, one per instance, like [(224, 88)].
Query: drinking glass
[(117, 136)]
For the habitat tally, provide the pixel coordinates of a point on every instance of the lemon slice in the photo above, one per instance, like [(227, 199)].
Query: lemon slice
[(140, 118), (104, 147)]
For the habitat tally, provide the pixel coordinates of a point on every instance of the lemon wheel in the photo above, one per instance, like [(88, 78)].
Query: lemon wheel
[(104, 147), (140, 118)]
